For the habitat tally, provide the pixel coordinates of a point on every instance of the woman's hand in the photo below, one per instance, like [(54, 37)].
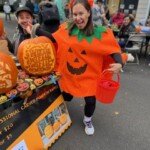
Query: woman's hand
[(115, 68)]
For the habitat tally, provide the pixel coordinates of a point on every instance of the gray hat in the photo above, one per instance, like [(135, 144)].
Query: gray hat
[(20, 9)]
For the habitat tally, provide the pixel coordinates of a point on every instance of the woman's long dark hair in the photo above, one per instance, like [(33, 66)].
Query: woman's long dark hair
[(89, 28)]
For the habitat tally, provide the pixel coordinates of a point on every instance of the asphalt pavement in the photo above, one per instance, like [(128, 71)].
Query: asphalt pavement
[(122, 125)]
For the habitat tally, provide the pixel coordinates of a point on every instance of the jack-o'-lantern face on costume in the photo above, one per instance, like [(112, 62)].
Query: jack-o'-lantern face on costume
[(74, 64), (37, 56), (8, 73)]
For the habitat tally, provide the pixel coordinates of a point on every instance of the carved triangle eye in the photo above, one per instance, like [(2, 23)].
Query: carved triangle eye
[(70, 50), (83, 52)]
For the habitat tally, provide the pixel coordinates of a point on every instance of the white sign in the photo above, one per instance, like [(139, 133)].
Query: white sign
[(131, 6), (20, 146), (122, 6)]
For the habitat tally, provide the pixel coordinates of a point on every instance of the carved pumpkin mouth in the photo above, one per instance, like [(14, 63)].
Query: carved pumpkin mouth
[(76, 71), (6, 81)]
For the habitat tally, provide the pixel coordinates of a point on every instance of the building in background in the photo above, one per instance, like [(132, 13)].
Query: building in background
[(139, 8)]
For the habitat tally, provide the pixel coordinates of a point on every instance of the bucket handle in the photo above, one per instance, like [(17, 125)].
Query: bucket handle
[(106, 72)]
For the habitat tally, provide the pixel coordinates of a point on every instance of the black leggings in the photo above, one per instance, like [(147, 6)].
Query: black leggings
[(90, 103)]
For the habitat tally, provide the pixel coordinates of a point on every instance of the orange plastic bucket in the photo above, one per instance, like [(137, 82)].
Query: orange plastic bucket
[(107, 88)]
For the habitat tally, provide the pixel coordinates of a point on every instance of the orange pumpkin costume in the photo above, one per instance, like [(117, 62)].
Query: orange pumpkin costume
[(80, 59)]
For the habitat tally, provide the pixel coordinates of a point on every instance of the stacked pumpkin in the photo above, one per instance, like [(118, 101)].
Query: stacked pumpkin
[(8, 73), (1, 27), (37, 56), (8, 69)]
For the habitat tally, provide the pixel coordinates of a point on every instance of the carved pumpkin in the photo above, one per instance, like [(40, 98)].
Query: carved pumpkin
[(37, 56), (1, 27), (8, 73)]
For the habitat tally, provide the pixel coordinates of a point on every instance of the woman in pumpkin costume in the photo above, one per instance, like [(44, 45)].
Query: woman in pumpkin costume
[(82, 48), (81, 51)]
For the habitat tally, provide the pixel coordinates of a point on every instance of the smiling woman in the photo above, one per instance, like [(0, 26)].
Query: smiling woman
[(81, 50), (125, 30)]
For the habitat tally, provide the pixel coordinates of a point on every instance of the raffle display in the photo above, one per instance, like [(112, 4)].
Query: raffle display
[(33, 112), (36, 124)]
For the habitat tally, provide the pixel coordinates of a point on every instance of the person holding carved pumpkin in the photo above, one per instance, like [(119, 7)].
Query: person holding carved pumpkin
[(82, 49), (24, 15), (24, 18)]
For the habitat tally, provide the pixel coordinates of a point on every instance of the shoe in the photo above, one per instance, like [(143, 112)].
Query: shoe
[(121, 70), (130, 57), (89, 129)]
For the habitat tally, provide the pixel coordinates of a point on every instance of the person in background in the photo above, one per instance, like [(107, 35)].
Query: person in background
[(117, 18), (7, 10), (30, 5), (147, 23), (126, 28), (60, 7), (36, 7), (107, 13), (78, 41), (49, 17), (15, 5), (98, 13), (67, 11)]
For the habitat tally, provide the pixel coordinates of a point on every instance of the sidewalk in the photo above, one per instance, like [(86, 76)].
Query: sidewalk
[(10, 26)]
